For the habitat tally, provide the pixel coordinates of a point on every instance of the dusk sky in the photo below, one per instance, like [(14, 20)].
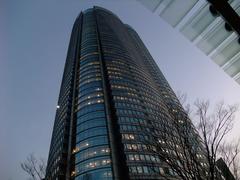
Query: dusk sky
[(34, 37)]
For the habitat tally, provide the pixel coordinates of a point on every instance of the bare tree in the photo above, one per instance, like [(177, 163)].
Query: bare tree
[(35, 168), (177, 145), (213, 128), (191, 151), (182, 98), (230, 153), (178, 148)]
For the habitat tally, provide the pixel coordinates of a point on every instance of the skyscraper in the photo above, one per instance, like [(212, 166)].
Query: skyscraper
[(111, 91)]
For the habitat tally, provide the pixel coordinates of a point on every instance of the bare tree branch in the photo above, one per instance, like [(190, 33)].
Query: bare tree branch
[(230, 152), (213, 128), (34, 168), (177, 145), (192, 152)]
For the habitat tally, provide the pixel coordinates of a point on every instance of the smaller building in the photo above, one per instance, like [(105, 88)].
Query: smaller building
[(226, 173)]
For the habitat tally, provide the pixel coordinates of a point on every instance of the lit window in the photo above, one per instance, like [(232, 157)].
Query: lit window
[(139, 169), (161, 170), (73, 173), (75, 150)]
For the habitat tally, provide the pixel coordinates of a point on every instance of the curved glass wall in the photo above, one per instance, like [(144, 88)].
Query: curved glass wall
[(92, 152), (57, 166), (137, 100), (112, 96)]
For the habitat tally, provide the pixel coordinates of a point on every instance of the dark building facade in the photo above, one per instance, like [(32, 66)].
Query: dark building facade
[(111, 89), (225, 172)]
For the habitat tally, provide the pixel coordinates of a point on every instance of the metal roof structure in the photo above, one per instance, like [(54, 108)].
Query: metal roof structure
[(212, 25)]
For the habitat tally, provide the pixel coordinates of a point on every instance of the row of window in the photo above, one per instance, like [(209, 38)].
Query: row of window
[(123, 98), (143, 157), (92, 164), (88, 76), (153, 115), (89, 50), (132, 120), (83, 105), (122, 87), (90, 90), (91, 142), (90, 72), (88, 96), (88, 133), (90, 85), (92, 153), (153, 170), (138, 72), (129, 112), (128, 105), (145, 91), (91, 108), (87, 100), (99, 174), (90, 34), (130, 128), (146, 97), (96, 122), (148, 100), (89, 65), (88, 68), (135, 147), (89, 58), (88, 41), (90, 116)]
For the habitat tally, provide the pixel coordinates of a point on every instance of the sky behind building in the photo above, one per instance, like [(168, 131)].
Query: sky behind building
[(34, 42)]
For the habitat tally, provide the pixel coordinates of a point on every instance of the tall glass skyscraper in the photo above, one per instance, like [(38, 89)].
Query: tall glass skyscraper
[(111, 89)]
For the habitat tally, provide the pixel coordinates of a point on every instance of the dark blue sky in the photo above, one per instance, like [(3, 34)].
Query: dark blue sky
[(34, 37)]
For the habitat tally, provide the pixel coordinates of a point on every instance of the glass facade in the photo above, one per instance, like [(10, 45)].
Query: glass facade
[(92, 152), (117, 94)]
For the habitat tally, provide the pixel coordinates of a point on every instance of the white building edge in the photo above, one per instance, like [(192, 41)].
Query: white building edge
[(208, 31)]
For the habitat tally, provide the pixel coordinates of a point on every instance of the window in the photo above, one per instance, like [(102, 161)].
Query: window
[(92, 152), (95, 141)]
